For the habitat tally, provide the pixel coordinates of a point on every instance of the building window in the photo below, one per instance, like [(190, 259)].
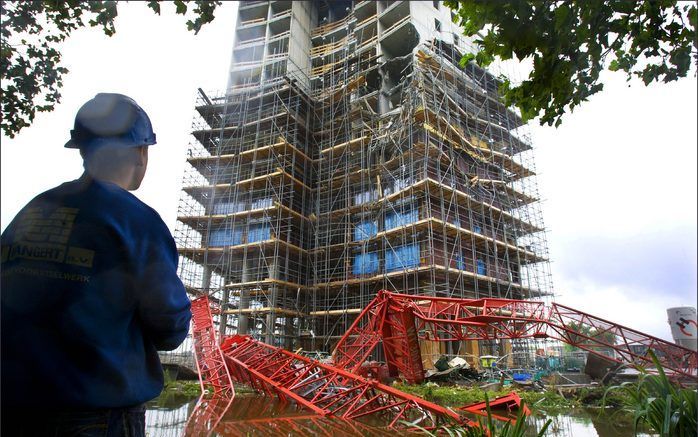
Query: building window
[(456, 40), (436, 4), (437, 25)]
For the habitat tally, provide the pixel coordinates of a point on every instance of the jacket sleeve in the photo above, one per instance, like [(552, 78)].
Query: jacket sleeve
[(163, 306)]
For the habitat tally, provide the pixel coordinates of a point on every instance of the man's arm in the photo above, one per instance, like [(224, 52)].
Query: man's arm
[(163, 305)]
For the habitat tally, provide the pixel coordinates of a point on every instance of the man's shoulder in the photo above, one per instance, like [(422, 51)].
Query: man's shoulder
[(104, 201), (130, 208)]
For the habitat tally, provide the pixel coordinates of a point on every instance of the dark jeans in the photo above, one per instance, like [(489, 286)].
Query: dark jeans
[(116, 422)]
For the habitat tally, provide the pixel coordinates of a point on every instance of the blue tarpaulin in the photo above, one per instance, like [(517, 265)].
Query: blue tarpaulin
[(460, 262), (224, 237), (395, 219), (481, 267), (402, 257), (267, 202), (364, 197), (365, 263), (228, 207), (365, 230), (522, 376), (259, 232)]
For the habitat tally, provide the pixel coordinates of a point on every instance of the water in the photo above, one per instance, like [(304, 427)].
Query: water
[(585, 423), (256, 415)]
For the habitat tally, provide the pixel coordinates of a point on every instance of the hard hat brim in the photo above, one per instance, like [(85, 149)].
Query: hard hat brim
[(70, 144), (101, 142)]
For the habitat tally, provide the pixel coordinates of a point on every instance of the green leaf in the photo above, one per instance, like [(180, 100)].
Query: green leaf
[(467, 58), (561, 14), (693, 17), (181, 7), (155, 6)]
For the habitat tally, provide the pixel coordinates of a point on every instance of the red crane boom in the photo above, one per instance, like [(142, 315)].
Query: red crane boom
[(327, 390), (207, 352), (400, 320)]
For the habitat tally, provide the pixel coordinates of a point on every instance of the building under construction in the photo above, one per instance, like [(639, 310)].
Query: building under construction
[(351, 153)]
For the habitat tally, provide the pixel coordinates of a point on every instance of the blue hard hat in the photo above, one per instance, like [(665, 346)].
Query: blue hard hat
[(111, 119)]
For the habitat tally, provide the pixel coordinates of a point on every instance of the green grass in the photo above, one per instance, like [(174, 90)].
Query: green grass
[(549, 401), (451, 396), (183, 388)]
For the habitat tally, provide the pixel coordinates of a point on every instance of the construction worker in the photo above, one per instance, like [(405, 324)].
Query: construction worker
[(90, 290)]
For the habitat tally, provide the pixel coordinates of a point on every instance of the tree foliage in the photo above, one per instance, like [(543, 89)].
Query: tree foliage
[(571, 42), (30, 61), (587, 336)]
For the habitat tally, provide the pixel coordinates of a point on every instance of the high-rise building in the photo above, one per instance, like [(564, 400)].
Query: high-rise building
[(351, 153)]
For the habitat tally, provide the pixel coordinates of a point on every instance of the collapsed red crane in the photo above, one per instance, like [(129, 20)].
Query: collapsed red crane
[(399, 321), (327, 390), (321, 388)]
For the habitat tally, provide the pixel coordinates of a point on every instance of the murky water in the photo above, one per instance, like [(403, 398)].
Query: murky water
[(255, 415), (585, 423)]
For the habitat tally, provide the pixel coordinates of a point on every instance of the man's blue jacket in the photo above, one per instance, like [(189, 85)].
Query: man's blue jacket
[(89, 294)]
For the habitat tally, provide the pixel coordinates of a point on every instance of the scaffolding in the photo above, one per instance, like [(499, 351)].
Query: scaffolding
[(364, 158)]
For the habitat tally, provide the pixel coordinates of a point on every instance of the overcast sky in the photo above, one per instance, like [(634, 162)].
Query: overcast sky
[(618, 178)]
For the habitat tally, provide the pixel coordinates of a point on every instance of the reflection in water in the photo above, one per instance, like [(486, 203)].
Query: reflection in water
[(256, 415), (206, 415), (266, 416), (167, 421), (584, 423)]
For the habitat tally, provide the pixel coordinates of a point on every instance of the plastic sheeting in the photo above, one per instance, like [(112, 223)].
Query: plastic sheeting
[(262, 203), (259, 232), (228, 208), (224, 237), (460, 262), (365, 263), (394, 219), (365, 230), (481, 267), (365, 197), (402, 257)]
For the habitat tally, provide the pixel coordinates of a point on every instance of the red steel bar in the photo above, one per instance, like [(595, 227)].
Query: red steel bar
[(509, 402), (207, 352)]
